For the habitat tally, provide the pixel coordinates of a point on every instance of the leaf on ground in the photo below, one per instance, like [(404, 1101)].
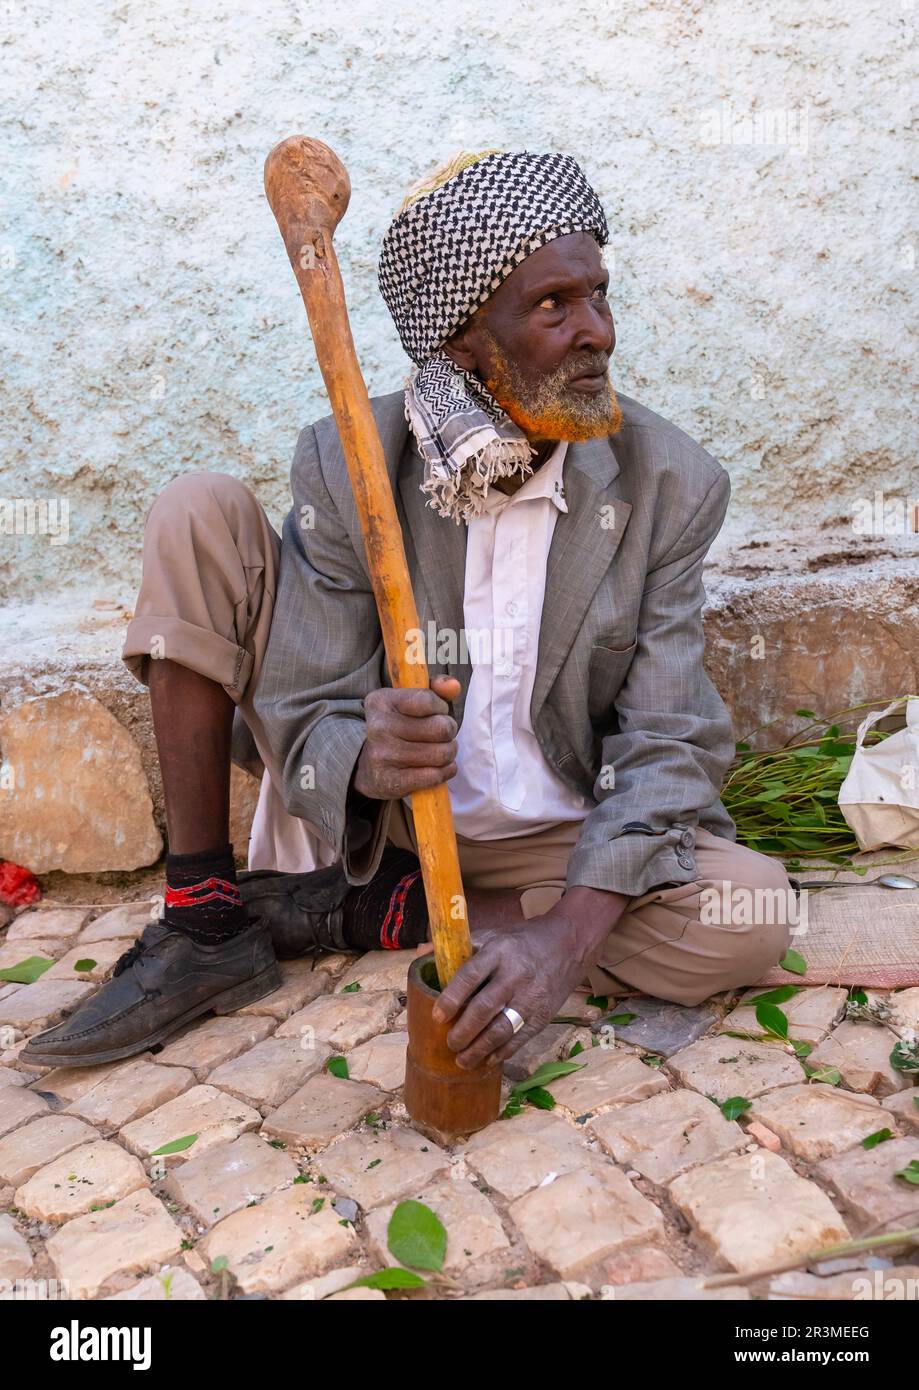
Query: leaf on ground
[(416, 1236), (352, 989), (781, 995), (619, 1020), (26, 972), (576, 1050), (910, 1173), (549, 1071), (541, 1098), (387, 1279), (905, 1057), (794, 963), (338, 1066), (772, 1020), (734, 1107), (871, 1141), (828, 1076), (220, 1264), (802, 1049), (84, 965), (175, 1146), (599, 1001)]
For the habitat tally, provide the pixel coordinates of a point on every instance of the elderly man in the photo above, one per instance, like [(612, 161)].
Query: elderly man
[(555, 538)]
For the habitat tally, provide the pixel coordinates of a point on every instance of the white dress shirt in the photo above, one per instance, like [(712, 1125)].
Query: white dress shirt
[(503, 786)]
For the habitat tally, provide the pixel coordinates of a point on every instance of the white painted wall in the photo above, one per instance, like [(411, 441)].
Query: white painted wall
[(152, 325)]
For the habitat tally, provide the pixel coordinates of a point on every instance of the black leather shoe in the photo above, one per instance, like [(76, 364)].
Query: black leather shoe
[(161, 983), (304, 912)]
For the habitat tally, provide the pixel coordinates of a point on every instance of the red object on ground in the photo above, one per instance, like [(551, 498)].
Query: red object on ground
[(18, 887)]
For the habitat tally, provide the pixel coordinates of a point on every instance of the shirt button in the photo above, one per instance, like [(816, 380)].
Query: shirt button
[(684, 861), (510, 608), (686, 838)]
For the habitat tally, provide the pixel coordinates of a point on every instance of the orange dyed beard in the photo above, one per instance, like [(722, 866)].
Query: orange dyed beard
[(549, 409)]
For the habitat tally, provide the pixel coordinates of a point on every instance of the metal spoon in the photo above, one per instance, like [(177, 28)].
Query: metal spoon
[(884, 881)]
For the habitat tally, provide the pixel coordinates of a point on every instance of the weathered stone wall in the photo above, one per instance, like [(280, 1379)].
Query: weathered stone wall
[(152, 326)]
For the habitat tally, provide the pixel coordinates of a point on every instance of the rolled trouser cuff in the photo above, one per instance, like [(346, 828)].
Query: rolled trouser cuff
[(200, 649)]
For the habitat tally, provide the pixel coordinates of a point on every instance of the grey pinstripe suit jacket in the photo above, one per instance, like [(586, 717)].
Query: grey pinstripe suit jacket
[(622, 706)]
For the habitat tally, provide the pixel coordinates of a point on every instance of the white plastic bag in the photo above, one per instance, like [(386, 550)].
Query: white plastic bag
[(879, 797)]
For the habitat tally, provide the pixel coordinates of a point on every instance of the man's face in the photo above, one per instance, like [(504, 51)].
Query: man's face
[(542, 343)]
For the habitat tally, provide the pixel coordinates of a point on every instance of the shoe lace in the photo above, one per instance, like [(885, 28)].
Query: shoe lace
[(129, 958)]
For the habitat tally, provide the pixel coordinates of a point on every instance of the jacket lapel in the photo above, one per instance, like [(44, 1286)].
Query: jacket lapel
[(436, 551), (583, 545)]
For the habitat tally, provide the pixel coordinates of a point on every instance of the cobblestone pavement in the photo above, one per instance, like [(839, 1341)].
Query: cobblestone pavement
[(635, 1186)]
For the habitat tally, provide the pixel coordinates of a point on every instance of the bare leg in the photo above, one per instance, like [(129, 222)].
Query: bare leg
[(193, 722)]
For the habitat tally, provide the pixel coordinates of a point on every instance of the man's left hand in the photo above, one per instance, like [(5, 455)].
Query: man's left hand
[(532, 967)]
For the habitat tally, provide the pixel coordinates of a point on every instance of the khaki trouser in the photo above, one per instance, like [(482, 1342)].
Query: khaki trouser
[(206, 599)]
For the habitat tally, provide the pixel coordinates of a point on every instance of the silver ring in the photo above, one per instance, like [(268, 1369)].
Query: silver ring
[(513, 1018)]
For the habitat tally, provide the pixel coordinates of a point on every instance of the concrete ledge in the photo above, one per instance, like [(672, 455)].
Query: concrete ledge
[(821, 622)]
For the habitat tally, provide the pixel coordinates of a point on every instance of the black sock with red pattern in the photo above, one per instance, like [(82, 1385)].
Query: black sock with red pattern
[(202, 896), (390, 912)]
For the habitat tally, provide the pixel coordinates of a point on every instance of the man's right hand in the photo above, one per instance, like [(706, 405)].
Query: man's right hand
[(411, 741)]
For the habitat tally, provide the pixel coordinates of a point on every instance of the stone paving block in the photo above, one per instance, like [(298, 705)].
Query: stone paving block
[(811, 1014), (681, 1290), (227, 1177), (271, 1071), (583, 1217), (864, 1181), (15, 1255), (16, 952), (662, 1027), (898, 1284), (550, 1045), (817, 1121), (210, 1043), (313, 1290), (281, 1241), (343, 1020), (103, 953), (31, 1146), (904, 1107), (172, 1283), (32, 1008), (321, 1110), (134, 1236), (539, 1293), (635, 1264), (90, 1177), (381, 1061), (300, 983), (576, 1007), (667, 1135), (754, 1210), (68, 1083), (124, 923), (387, 1167), (57, 924), (905, 1006), (476, 1243), (379, 970), (724, 1067), (128, 1092), (861, 1054), (204, 1110), (607, 1077), (17, 1106), (9, 1077), (513, 1156)]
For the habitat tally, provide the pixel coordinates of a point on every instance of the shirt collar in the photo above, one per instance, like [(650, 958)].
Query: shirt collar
[(547, 481)]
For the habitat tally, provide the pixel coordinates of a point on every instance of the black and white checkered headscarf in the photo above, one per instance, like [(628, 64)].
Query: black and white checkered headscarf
[(442, 258)]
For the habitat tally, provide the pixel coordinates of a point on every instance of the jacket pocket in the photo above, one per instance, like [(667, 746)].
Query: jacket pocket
[(606, 672)]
